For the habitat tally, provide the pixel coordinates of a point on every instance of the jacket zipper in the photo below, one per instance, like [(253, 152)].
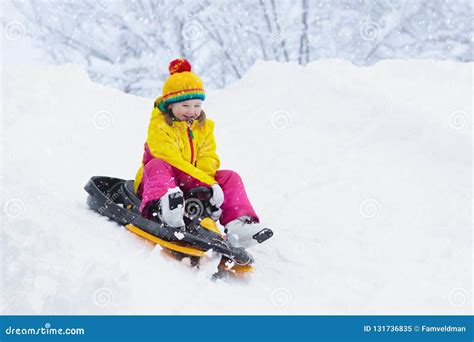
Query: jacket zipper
[(190, 138)]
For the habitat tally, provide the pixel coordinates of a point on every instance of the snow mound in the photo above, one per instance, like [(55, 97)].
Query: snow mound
[(363, 172)]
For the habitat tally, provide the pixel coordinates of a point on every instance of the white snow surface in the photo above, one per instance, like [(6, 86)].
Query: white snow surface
[(364, 173)]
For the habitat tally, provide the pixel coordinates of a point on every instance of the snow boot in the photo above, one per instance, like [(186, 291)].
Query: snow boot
[(170, 208), (246, 232)]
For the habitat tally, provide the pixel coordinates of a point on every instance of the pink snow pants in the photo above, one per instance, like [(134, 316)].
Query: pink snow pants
[(159, 176)]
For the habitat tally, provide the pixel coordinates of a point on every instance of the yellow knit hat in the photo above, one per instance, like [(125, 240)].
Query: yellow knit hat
[(182, 85)]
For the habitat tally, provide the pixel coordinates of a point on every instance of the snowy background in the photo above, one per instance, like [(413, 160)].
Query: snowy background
[(363, 170), (128, 43)]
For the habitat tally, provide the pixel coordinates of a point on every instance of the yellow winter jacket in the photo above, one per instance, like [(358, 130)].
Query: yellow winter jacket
[(190, 149)]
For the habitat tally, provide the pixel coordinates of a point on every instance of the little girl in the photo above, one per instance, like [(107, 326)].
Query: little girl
[(180, 154)]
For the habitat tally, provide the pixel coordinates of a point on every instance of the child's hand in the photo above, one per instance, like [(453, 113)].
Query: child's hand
[(217, 196), (216, 214), (216, 201)]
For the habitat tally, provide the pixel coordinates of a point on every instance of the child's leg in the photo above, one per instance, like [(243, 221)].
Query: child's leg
[(158, 177), (236, 202)]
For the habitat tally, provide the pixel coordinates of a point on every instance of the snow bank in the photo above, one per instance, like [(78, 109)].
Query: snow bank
[(364, 174)]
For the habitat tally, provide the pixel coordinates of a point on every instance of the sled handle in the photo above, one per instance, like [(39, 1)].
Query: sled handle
[(201, 193)]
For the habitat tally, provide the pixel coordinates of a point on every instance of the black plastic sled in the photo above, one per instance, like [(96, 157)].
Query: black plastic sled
[(116, 199)]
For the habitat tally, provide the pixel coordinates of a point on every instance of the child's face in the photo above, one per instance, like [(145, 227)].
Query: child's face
[(186, 110)]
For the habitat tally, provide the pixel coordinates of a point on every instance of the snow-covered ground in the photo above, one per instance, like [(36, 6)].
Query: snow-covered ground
[(364, 174)]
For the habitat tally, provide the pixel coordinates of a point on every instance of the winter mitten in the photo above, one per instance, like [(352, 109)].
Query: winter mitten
[(216, 201), (246, 232), (170, 208), (214, 213), (217, 196)]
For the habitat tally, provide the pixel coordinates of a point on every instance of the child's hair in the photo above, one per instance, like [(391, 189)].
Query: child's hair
[(169, 116)]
